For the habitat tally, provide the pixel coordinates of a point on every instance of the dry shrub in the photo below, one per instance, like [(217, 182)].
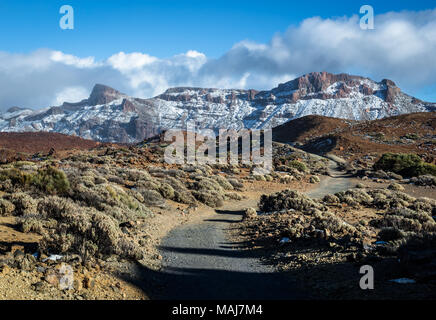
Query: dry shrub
[(84, 231), (237, 185), (287, 199), (177, 185), (269, 178), (31, 223), (425, 205), (24, 203), (331, 199), (134, 174), (233, 196), (249, 213), (152, 198), (396, 187), (223, 182), (355, 196), (404, 223), (184, 196), (207, 184), (209, 197), (16, 177), (97, 196), (259, 177), (333, 224), (300, 166), (6, 207), (286, 179), (166, 191), (425, 180), (150, 185), (314, 179)]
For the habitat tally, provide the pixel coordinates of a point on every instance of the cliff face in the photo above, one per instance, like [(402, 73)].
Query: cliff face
[(108, 115)]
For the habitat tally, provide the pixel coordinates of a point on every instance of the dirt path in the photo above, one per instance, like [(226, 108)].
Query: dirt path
[(199, 262), (337, 181)]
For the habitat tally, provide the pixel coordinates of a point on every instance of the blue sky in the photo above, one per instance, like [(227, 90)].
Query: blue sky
[(144, 47), (165, 27)]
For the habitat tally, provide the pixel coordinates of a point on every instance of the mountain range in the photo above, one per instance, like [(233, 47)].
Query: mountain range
[(111, 116)]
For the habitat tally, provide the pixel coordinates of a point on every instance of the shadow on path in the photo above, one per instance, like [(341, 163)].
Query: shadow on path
[(200, 263)]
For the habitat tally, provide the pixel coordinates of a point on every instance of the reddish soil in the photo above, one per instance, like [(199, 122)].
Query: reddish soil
[(352, 139), (308, 127), (19, 146)]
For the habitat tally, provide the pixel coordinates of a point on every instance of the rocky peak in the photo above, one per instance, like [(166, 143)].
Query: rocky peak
[(209, 95), (388, 83), (391, 91), (317, 82), (128, 119), (15, 109), (102, 94)]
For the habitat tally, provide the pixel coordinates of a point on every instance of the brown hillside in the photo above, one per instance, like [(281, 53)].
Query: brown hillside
[(411, 133), (18, 145), (308, 127)]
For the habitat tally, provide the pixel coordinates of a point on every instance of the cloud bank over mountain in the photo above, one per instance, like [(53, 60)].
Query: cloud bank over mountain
[(401, 48)]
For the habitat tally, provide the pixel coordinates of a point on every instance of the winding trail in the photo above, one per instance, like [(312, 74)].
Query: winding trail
[(336, 182), (199, 262)]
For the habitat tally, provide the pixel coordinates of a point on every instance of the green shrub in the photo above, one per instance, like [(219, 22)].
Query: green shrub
[(412, 136), (409, 165), (300, 166), (51, 180), (16, 176)]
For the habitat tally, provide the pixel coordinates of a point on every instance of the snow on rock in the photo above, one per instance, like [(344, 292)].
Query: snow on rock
[(108, 115)]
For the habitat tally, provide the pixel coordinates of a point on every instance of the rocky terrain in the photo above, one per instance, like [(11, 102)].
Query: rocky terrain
[(409, 133), (110, 116), (324, 242), (92, 216)]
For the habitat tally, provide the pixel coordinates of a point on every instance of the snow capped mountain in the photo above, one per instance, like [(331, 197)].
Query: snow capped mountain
[(108, 115)]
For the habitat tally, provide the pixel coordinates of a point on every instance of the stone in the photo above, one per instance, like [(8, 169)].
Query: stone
[(4, 270), (39, 286), (52, 278), (89, 282), (77, 285)]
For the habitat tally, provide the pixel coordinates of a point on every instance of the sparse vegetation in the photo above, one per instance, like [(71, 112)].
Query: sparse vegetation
[(51, 181), (300, 166), (409, 165)]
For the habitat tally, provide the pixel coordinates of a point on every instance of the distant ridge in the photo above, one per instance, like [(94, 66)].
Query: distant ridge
[(111, 116)]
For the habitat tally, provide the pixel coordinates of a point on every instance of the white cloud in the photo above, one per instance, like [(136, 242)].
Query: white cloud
[(131, 61), (68, 59), (70, 94), (401, 48)]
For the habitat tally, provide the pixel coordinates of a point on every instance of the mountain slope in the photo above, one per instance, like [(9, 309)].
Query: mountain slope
[(108, 115), (408, 133)]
